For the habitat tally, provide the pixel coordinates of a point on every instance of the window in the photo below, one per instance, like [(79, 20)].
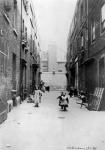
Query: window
[(3, 65), (103, 18), (31, 43), (93, 30), (81, 12), (25, 3), (31, 23), (59, 70), (82, 41), (26, 33), (14, 70), (31, 10), (23, 25), (15, 4), (14, 19)]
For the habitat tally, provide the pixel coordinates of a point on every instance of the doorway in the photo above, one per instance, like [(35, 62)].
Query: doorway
[(101, 73), (14, 71)]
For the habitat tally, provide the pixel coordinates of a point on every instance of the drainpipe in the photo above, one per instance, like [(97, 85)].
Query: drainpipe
[(88, 25), (21, 86)]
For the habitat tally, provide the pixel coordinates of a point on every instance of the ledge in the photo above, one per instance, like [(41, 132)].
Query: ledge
[(3, 116), (15, 32), (7, 18)]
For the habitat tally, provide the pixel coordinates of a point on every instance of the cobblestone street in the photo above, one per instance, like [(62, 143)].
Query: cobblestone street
[(49, 128)]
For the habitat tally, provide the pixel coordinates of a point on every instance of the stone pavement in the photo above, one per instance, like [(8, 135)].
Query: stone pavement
[(49, 128)]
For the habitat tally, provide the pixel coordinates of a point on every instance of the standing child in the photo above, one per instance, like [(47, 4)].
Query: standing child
[(40, 95), (60, 98), (36, 98), (63, 101)]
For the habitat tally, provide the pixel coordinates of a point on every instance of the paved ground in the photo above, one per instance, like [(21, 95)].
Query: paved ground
[(48, 128)]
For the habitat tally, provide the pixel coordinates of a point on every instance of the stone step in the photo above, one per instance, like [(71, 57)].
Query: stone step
[(3, 116)]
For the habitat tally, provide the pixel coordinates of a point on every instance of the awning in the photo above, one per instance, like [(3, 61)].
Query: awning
[(88, 60)]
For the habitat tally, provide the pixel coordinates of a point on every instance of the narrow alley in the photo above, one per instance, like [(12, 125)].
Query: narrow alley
[(49, 128)]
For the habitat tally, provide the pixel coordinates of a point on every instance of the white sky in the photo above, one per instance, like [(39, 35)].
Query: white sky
[(53, 20)]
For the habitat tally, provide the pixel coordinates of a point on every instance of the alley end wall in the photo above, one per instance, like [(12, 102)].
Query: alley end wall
[(56, 80)]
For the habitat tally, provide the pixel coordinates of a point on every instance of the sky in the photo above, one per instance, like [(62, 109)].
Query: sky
[(53, 21)]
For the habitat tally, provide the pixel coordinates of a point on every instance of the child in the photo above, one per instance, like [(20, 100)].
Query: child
[(63, 101), (71, 93), (40, 95), (36, 98), (60, 98), (29, 99)]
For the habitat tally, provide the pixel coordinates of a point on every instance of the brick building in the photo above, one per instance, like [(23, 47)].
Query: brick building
[(19, 50), (77, 49), (96, 44), (86, 46)]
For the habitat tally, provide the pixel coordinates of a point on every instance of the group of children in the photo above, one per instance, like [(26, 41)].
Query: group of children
[(64, 98)]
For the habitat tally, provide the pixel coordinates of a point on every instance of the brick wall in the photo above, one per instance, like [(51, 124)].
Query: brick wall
[(9, 45), (95, 13)]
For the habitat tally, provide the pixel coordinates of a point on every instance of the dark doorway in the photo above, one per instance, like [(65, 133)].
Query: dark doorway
[(14, 71), (101, 73), (72, 78), (91, 76)]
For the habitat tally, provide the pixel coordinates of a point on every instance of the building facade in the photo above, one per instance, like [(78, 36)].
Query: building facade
[(55, 77), (44, 61), (61, 66), (30, 47), (52, 57), (86, 47), (96, 44), (19, 50), (77, 49)]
